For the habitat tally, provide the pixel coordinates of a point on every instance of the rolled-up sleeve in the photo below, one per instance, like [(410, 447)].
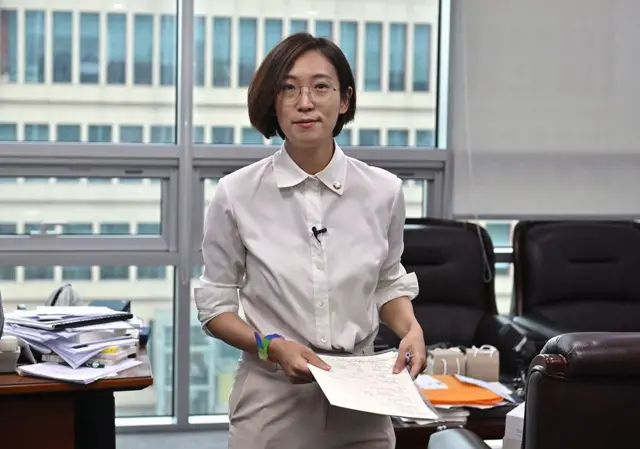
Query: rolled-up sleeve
[(224, 257), (394, 281)]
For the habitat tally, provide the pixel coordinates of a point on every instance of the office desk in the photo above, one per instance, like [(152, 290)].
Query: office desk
[(40, 413)]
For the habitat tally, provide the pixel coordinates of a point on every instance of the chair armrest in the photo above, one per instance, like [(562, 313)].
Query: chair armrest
[(456, 439), (538, 330)]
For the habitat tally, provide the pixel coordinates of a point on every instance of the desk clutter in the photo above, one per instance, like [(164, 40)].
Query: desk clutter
[(481, 363), (78, 344)]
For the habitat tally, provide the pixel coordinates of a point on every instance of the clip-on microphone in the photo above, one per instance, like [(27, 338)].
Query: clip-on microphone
[(317, 232)]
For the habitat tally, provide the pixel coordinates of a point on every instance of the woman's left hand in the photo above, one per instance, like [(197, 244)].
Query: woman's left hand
[(412, 353)]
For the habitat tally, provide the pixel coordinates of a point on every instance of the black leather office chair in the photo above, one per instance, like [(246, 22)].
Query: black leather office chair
[(576, 276), (455, 265), (583, 392)]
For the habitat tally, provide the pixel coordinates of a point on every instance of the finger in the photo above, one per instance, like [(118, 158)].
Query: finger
[(316, 361), (417, 366), (303, 373), (401, 362)]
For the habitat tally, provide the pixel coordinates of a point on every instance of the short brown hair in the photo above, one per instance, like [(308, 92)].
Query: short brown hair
[(265, 85)]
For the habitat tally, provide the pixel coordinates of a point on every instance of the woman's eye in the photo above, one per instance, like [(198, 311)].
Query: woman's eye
[(321, 86), (288, 87)]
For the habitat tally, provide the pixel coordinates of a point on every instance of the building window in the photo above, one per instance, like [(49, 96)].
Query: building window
[(149, 229), (344, 138), (116, 48), (77, 273), (199, 50), (397, 56), (62, 46), (34, 47), (251, 136), (9, 50), (145, 272), (298, 26), (247, 41), (397, 137), (272, 34), (369, 137), (89, 48), (143, 49), (100, 133), (162, 134), (68, 133), (36, 133), (131, 134), (500, 234), (168, 44), (8, 132), (198, 134), (222, 52), (349, 43), (113, 272), (36, 273), (8, 273), (425, 138), (222, 135), (373, 56), (276, 141), (421, 57), (324, 28)]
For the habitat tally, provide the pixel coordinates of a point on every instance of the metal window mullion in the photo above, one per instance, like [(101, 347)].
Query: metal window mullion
[(198, 212), (184, 121), (34, 153), (87, 171), (169, 203), (87, 258), (98, 243)]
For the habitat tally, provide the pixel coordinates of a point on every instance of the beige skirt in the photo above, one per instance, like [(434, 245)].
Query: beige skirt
[(266, 411)]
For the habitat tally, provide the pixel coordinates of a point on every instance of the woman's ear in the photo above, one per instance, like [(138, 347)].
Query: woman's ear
[(345, 100)]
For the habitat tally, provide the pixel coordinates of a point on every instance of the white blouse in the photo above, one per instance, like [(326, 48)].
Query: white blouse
[(325, 291)]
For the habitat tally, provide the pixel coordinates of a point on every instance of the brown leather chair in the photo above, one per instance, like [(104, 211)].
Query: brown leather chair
[(583, 392), (576, 276)]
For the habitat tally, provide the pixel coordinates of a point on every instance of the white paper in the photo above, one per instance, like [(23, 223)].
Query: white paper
[(496, 387), (367, 384), (57, 371), (427, 382)]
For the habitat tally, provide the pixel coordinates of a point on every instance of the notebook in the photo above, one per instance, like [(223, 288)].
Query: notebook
[(66, 321)]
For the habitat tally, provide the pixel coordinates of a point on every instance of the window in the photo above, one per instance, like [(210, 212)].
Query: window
[(251, 136), (397, 56), (272, 33), (162, 134), (247, 48), (373, 56), (131, 134), (89, 48), (500, 234), (349, 43), (143, 49), (99, 133), (116, 48), (36, 273), (68, 133), (369, 137), (198, 134), (199, 50), (36, 132), (344, 138), (324, 28), (222, 135), (9, 55), (7, 273), (34, 47), (222, 51), (397, 138), (421, 57), (298, 26), (62, 46), (8, 132), (167, 50), (111, 273), (425, 138)]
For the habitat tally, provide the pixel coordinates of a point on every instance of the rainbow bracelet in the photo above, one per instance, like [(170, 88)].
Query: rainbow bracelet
[(263, 344)]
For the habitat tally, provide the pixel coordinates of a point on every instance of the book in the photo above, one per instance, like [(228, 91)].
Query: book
[(60, 322)]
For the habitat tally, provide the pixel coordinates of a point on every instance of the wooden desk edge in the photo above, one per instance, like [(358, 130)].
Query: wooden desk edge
[(136, 378)]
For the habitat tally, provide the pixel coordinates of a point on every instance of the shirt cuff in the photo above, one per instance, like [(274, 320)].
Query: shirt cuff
[(405, 285), (212, 301)]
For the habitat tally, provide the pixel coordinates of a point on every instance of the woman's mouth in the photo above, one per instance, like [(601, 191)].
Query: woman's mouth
[(306, 124)]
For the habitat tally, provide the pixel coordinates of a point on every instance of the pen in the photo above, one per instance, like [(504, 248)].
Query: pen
[(408, 357)]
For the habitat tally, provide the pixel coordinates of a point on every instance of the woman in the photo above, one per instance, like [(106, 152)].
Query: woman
[(309, 242)]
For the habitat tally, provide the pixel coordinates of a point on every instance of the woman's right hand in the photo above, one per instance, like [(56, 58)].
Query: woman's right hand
[(293, 358)]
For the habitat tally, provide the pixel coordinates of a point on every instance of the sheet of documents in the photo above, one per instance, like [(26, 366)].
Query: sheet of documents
[(427, 382), (496, 387), (82, 375), (367, 384)]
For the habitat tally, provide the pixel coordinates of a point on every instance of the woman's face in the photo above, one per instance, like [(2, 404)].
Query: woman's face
[(309, 102)]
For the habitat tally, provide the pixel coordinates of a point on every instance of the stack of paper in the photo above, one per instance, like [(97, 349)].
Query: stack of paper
[(83, 375), (75, 345)]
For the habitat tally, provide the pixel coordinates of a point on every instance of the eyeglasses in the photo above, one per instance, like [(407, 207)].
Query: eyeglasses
[(318, 92)]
